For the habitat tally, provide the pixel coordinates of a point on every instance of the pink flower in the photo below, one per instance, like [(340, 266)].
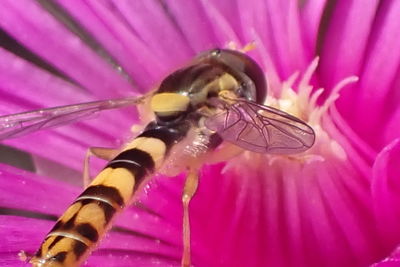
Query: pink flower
[(337, 204)]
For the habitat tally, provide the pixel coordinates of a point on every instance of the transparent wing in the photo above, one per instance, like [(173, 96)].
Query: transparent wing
[(262, 129), (19, 124)]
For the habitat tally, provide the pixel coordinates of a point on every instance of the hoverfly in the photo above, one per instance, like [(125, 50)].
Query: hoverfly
[(217, 97)]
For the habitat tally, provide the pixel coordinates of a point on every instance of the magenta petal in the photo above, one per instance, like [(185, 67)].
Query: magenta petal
[(25, 22), (68, 144), (331, 207), (117, 248), (227, 10), (364, 149), (275, 27), (51, 91), (148, 68), (392, 129), (141, 238), (386, 191), (19, 189), (392, 261), (375, 94), (221, 27), (48, 88), (18, 234), (253, 16), (311, 13), (193, 23), (383, 45), (346, 40), (110, 31), (73, 151), (359, 41), (283, 18), (156, 31)]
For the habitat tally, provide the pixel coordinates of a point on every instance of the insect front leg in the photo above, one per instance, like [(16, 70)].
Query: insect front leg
[(98, 152), (190, 188)]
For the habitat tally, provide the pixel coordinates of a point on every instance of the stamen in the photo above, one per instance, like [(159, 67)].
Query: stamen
[(302, 103), (316, 115), (304, 85)]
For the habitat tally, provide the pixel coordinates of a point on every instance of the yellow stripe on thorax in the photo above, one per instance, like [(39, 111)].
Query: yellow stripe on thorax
[(169, 103)]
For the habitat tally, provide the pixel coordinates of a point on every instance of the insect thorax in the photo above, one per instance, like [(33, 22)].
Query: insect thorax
[(189, 89)]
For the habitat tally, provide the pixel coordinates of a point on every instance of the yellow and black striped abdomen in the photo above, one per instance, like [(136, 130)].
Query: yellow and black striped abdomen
[(89, 217)]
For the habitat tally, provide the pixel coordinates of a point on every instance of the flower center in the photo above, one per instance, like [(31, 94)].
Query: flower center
[(301, 102)]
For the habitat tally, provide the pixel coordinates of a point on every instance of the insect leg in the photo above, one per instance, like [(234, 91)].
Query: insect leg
[(99, 152), (189, 190)]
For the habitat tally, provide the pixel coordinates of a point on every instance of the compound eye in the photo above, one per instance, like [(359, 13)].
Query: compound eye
[(245, 64), (208, 54), (239, 62)]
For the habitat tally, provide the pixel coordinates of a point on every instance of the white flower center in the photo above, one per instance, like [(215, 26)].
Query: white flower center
[(302, 103)]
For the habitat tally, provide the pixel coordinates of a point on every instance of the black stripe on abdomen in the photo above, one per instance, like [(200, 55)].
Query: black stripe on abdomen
[(169, 134), (104, 192), (137, 161)]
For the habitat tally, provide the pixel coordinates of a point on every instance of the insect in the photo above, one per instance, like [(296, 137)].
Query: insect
[(217, 97)]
